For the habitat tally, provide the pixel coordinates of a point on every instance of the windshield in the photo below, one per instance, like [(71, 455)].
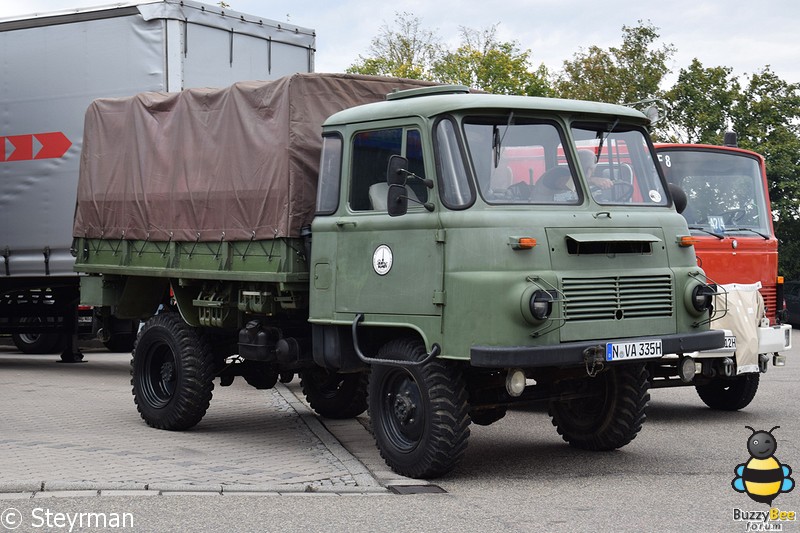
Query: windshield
[(520, 161), (725, 190), (618, 164)]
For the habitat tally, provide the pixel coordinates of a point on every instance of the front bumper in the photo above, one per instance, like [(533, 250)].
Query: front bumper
[(572, 353)]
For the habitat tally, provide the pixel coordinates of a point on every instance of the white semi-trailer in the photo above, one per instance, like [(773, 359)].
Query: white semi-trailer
[(53, 66)]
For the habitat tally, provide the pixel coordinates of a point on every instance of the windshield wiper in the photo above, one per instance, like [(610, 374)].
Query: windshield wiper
[(497, 140), (766, 237), (717, 235)]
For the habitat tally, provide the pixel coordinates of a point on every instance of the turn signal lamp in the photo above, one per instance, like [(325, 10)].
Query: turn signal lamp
[(687, 240), (522, 243)]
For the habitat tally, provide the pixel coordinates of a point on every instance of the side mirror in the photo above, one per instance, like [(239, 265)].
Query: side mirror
[(678, 197), (396, 171), (397, 201)]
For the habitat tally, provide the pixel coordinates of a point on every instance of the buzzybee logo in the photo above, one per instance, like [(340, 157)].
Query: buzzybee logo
[(763, 477)]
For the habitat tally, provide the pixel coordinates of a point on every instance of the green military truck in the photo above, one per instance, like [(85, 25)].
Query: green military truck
[(434, 256)]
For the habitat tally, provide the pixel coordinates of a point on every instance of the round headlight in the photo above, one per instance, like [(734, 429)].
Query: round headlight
[(701, 297), (541, 305)]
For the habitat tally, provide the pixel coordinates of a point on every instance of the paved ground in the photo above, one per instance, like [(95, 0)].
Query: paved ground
[(74, 427)]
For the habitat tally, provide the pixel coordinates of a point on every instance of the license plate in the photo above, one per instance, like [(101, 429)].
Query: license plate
[(730, 343), (618, 351), (84, 320)]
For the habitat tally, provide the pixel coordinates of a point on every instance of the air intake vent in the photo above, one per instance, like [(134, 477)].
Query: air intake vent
[(617, 297), (607, 248)]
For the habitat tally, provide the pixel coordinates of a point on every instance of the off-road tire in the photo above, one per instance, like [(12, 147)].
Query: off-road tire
[(609, 414), (729, 394), (332, 395), (172, 373), (419, 414)]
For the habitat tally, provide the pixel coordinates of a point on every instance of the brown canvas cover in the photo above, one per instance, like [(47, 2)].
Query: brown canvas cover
[(212, 164)]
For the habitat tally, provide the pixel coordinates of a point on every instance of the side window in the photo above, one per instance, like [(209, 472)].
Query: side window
[(371, 153), (330, 168), (455, 192)]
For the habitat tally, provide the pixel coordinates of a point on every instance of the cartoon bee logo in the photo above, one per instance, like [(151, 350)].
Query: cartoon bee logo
[(762, 477)]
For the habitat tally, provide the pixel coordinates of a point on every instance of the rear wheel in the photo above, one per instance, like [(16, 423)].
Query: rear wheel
[(729, 394), (172, 373), (335, 395), (419, 414), (604, 412)]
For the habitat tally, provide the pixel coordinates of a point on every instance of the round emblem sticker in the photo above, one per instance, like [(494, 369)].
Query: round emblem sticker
[(382, 260), (655, 196)]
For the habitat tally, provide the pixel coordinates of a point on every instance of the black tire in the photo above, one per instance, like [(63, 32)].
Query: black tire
[(121, 343), (608, 412), (172, 373), (38, 343), (729, 394), (419, 414), (338, 396)]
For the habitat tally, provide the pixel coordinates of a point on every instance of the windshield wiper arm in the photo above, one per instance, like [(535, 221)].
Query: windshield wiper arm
[(766, 237), (717, 235)]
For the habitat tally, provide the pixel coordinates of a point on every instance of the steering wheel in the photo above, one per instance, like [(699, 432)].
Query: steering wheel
[(620, 191)]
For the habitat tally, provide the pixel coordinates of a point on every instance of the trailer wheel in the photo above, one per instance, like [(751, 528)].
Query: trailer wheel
[(729, 394), (37, 343), (333, 395), (606, 412), (419, 414), (172, 373)]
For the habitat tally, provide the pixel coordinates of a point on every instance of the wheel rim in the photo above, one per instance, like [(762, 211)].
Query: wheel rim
[(30, 338), (403, 417), (159, 376)]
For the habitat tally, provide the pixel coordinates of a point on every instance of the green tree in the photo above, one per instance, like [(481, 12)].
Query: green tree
[(629, 73), (484, 63), (404, 50), (767, 118), (699, 104)]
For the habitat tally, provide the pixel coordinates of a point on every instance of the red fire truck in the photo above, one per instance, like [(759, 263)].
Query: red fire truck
[(729, 217)]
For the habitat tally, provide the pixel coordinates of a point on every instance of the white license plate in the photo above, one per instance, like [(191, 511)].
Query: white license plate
[(730, 343), (618, 351), (84, 320)]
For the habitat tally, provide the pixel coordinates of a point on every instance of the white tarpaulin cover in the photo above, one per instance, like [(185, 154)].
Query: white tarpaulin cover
[(745, 309)]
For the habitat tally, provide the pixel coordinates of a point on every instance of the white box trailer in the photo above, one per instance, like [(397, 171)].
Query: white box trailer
[(53, 66)]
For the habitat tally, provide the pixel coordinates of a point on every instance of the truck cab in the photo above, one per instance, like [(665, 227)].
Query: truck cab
[(467, 226)]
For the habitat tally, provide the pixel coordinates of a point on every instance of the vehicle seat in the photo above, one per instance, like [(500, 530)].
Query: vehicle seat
[(379, 192)]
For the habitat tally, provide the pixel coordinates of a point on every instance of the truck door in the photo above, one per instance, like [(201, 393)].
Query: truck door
[(387, 265)]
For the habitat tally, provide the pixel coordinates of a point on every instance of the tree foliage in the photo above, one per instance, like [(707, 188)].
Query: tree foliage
[(699, 104), (404, 50), (483, 62), (629, 73)]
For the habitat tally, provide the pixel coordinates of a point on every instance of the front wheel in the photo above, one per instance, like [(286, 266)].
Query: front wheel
[(172, 373), (604, 412), (419, 414), (729, 394)]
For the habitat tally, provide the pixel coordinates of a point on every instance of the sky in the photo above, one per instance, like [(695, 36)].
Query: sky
[(743, 35)]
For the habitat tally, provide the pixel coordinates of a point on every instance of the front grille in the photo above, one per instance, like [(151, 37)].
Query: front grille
[(770, 295), (617, 297)]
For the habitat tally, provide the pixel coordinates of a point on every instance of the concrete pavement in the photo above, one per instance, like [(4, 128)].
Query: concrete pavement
[(73, 429)]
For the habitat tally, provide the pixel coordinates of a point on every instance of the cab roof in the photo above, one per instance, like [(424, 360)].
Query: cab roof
[(437, 100)]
